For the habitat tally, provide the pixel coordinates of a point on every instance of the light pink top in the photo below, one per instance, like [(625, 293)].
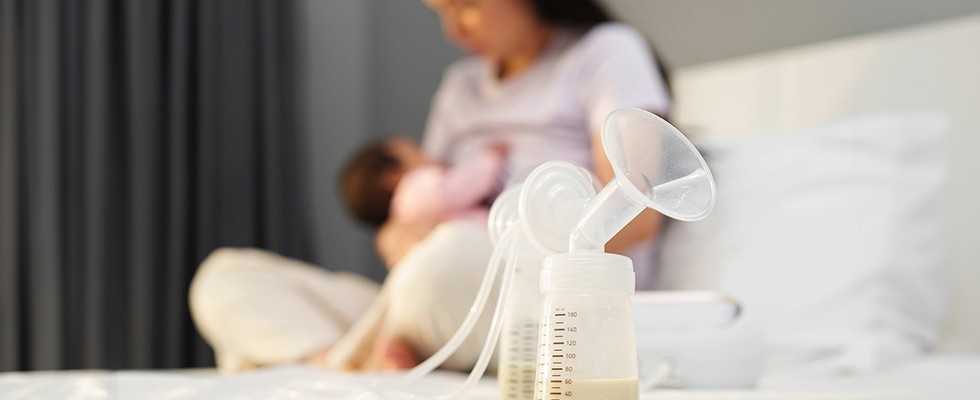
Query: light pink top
[(438, 193)]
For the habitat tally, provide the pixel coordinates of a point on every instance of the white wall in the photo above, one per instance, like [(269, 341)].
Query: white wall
[(370, 69), (690, 32), (408, 56)]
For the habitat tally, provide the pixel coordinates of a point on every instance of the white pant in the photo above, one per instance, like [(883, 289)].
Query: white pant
[(258, 308)]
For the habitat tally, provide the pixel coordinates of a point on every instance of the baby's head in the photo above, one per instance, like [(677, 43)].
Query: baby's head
[(369, 177)]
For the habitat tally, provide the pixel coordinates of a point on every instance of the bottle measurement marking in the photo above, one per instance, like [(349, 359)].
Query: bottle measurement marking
[(558, 354)]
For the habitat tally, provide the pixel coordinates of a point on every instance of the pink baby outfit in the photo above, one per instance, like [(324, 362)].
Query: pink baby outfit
[(439, 193)]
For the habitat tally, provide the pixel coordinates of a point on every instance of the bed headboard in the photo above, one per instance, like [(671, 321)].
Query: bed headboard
[(934, 66)]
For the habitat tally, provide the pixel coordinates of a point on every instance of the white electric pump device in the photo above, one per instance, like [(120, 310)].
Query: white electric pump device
[(586, 341)]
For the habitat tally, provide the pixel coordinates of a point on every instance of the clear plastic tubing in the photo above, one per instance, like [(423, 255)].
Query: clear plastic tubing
[(507, 246), (519, 339)]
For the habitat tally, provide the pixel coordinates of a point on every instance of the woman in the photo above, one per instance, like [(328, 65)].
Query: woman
[(542, 77)]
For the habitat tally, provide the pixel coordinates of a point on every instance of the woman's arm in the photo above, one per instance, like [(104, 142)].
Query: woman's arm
[(620, 71), (395, 239), (644, 226)]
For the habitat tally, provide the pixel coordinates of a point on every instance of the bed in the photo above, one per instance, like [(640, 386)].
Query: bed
[(759, 106), (936, 377)]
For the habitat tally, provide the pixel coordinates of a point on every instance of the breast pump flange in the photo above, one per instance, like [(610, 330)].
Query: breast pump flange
[(654, 166), (587, 344)]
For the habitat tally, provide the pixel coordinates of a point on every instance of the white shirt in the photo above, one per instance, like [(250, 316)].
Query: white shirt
[(551, 110)]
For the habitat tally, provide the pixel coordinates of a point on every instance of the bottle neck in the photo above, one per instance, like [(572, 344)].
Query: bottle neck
[(588, 272)]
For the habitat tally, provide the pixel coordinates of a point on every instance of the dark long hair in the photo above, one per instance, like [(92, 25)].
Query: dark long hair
[(572, 13), (586, 14)]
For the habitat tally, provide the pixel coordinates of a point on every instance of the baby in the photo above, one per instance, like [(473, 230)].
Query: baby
[(394, 179)]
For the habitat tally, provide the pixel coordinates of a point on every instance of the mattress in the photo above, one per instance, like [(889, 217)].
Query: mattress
[(935, 377)]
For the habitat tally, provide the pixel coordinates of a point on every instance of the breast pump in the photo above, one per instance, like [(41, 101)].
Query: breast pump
[(586, 338), (577, 341)]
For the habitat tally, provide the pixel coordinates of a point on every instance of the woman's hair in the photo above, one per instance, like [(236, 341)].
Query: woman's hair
[(363, 185), (571, 13), (586, 14)]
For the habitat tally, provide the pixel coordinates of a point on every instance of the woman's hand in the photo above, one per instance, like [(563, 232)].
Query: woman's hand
[(394, 239)]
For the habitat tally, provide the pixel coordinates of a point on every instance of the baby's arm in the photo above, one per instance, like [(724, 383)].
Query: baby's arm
[(468, 184)]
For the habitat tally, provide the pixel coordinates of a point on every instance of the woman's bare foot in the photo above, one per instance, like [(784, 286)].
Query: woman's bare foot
[(385, 354), (396, 353)]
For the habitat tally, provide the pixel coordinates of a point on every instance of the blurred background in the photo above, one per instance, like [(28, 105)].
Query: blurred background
[(136, 136)]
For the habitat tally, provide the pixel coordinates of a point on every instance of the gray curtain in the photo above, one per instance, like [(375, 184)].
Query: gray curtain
[(135, 137)]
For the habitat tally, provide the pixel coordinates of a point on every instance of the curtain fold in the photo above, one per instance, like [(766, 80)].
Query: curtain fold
[(136, 136)]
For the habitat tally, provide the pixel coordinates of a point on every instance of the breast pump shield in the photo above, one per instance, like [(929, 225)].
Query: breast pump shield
[(587, 344), (654, 165)]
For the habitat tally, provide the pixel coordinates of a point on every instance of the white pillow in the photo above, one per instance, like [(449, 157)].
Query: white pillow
[(832, 236)]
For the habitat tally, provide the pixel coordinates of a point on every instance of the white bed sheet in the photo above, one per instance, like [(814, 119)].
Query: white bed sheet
[(936, 377)]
